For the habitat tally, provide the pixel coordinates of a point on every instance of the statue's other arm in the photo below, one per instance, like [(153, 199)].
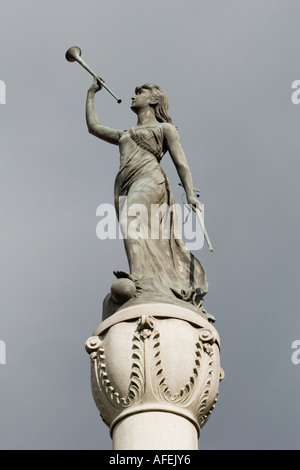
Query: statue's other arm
[(105, 133), (179, 159)]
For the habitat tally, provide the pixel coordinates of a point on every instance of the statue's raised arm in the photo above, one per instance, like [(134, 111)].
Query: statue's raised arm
[(105, 133)]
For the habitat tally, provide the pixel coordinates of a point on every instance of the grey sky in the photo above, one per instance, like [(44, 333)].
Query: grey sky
[(227, 67)]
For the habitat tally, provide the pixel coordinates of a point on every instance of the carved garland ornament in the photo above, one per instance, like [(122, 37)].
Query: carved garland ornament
[(146, 338)]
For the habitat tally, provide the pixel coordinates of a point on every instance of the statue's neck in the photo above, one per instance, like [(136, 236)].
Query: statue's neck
[(146, 117)]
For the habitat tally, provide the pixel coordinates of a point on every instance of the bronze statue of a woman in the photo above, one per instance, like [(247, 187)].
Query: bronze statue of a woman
[(161, 268)]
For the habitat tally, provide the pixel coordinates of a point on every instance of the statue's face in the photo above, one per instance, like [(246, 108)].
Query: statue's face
[(142, 99)]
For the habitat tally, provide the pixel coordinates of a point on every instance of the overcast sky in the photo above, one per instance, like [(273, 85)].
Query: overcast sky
[(227, 67)]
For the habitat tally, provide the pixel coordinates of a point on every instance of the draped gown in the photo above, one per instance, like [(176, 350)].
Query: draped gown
[(169, 270)]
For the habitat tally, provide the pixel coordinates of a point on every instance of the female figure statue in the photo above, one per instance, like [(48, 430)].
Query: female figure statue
[(161, 268)]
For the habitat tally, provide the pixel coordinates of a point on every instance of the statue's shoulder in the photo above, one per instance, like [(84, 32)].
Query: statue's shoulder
[(169, 129)]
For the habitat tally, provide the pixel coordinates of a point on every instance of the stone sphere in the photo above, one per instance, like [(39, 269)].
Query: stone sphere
[(122, 290)]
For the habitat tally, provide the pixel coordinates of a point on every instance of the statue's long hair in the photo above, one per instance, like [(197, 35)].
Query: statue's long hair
[(162, 106)]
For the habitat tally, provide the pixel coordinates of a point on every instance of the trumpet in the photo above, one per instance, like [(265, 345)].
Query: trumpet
[(74, 54)]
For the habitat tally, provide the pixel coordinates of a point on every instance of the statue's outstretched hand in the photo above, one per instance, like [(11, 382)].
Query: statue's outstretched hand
[(96, 86)]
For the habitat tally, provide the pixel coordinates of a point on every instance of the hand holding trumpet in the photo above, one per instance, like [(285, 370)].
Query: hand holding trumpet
[(96, 85)]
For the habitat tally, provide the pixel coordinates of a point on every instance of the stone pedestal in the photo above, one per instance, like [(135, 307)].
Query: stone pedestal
[(155, 373)]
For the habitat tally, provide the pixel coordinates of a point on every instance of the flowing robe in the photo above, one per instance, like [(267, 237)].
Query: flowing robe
[(168, 268)]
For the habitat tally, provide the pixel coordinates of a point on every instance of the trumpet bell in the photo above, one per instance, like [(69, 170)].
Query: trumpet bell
[(73, 53)]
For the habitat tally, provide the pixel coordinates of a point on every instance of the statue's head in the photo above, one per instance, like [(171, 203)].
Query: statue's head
[(160, 101)]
